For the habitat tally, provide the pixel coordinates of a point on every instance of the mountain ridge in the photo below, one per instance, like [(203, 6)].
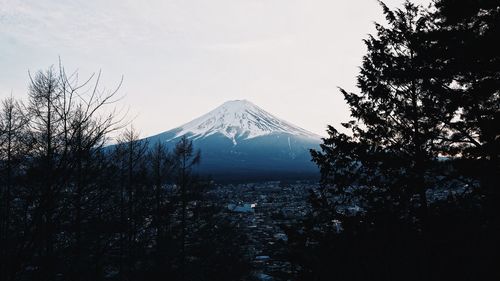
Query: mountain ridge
[(239, 119), (239, 140)]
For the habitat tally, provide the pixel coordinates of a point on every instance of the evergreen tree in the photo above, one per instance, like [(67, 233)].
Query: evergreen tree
[(371, 218), (465, 52), (398, 117)]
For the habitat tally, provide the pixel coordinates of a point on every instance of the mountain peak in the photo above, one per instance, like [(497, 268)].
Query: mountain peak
[(240, 119), (237, 105), (240, 102)]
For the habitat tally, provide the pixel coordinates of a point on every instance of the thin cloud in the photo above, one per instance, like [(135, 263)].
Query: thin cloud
[(287, 56)]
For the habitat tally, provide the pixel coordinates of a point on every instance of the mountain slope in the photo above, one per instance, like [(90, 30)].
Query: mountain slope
[(239, 140)]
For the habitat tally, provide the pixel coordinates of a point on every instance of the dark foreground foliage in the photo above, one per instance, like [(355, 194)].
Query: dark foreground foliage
[(72, 209), (412, 192)]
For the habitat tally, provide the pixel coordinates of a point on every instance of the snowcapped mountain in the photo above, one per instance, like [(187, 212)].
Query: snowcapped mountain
[(239, 119), (239, 140)]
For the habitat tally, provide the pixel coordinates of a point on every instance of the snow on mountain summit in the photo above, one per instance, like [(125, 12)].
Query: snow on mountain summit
[(239, 119)]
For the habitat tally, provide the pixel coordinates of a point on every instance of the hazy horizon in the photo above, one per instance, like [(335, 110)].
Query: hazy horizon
[(181, 59)]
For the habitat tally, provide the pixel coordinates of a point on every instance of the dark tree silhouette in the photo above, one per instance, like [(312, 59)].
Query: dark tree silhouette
[(465, 51), (73, 207), (55, 136), (186, 158), (14, 144), (130, 155), (162, 166), (398, 117), (419, 100)]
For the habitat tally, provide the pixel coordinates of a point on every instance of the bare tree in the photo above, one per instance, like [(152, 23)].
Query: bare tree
[(161, 169), (130, 155), (186, 158), (68, 123), (13, 146)]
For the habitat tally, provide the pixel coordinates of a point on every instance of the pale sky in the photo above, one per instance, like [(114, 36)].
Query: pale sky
[(182, 58)]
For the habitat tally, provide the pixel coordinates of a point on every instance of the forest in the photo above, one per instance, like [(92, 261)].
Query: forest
[(419, 159)]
